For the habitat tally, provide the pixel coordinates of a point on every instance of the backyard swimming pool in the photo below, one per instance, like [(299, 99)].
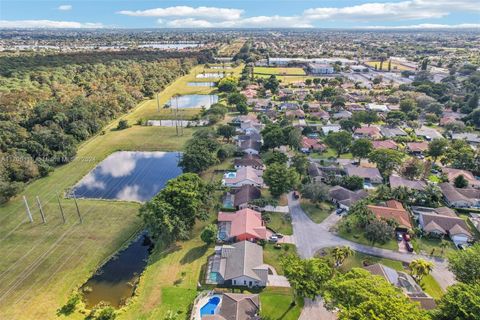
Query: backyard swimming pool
[(210, 307), (129, 175)]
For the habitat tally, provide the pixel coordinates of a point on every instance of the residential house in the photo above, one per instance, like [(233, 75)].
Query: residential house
[(255, 136), (249, 160), (342, 115), (369, 132), (444, 223), (245, 224), (405, 282), (331, 128), (397, 181), (468, 175), (393, 210), (309, 144), (241, 197), (239, 264), (296, 114), (417, 148), (460, 197), (345, 198), (377, 107), (250, 146), (428, 133), (369, 175), (236, 306), (243, 176), (384, 144), (320, 68), (388, 132), (472, 138)]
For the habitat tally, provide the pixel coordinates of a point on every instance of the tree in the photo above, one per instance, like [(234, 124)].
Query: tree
[(199, 154), (300, 163), (280, 179), (379, 231), (475, 117), (339, 254), (412, 168), (395, 118), (274, 157), (293, 137), (70, 306), (308, 82), (107, 313), (170, 215), (465, 264), (236, 98), (349, 125), (461, 301), (437, 148), (360, 295), (273, 137), (306, 276), (226, 131), (361, 148), (209, 234), (242, 108), (408, 105), (272, 84), (122, 124), (339, 141), (315, 192), (352, 182), (227, 84), (420, 268), (460, 181), (387, 160)]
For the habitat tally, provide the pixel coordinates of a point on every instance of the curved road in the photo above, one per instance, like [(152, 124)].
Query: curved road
[(310, 237)]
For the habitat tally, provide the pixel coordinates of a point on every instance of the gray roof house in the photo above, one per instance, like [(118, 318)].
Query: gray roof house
[(397, 181), (444, 223), (370, 175), (239, 264), (250, 146), (345, 198), (428, 133), (237, 306), (405, 282), (392, 132), (460, 197)]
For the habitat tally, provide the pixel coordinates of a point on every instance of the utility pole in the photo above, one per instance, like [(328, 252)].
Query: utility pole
[(76, 205), (41, 210), (158, 104), (61, 209), (29, 214), (176, 114)]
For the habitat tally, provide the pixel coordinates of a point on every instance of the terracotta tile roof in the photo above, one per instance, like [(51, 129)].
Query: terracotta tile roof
[(393, 210), (417, 146), (245, 221), (384, 144)]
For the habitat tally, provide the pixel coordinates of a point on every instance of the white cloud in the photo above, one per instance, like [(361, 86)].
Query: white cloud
[(403, 10), (65, 7), (251, 22), (427, 26), (190, 12), (48, 24)]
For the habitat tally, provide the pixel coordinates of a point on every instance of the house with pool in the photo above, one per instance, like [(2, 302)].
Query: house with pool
[(238, 264), (226, 306)]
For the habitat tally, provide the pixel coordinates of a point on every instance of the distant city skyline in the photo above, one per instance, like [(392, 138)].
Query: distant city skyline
[(396, 14)]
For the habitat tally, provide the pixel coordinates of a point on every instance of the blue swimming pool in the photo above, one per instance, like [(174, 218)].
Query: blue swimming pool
[(210, 307)]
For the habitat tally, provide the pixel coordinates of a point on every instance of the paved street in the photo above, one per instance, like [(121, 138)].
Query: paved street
[(310, 237)]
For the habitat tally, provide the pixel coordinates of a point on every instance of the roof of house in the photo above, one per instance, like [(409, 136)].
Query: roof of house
[(469, 137), (392, 132), (428, 132), (245, 221), (393, 210), (312, 143), (405, 282), (246, 173), (242, 259), (417, 146), (245, 194), (384, 144), (371, 131), (250, 144), (345, 196), (445, 224), (397, 181), (453, 194), (453, 173), (363, 172), (249, 160), (237, 306)]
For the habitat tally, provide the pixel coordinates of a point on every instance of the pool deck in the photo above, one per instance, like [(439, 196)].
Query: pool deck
[(200, 301)]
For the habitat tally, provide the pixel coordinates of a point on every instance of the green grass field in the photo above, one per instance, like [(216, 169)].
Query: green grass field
[(319, 212), (42, 264), (395, 66), (279, 71), (276, 304), (280, 223)]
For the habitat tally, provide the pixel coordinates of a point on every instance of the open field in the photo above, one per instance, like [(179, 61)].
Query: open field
[(395, 66), (42, 264), (228, 50), (279, 71), (317, 212)]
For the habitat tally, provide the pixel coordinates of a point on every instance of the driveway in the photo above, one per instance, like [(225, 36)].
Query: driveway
[(310, 237), (315, 310)]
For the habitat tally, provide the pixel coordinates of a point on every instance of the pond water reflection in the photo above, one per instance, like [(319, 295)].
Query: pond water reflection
[(190, 101)]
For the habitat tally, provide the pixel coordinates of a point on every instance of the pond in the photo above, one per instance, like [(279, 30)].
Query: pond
[(190, 101), (211, 75), (116, 280), (129, 175), (201, 84)]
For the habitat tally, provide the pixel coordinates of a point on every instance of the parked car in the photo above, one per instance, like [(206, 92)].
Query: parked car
[(296, 194), (339, 211), (279, 235), (409, 246), (463, 246), (399, 236), (273, 238)]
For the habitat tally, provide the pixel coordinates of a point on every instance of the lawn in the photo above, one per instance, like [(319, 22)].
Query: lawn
[(280, 223), (231, 49), (276, 304), (272, 255), (317, 212), (425, 246), (357, 235), (395, 66), (279, 71), (42, 264), (281, 201)]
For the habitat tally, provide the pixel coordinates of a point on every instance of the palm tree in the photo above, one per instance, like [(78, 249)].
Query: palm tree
[(339, 254), (443, 245), (420, 268), (383, 192)]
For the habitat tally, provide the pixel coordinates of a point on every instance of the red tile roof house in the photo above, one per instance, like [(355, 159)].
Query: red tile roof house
[(371, 132), (417, 147), (309, 144), (385, 144), (395, 211), (245, 224)]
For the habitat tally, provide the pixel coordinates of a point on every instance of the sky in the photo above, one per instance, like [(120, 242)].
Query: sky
[(383, 14)]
